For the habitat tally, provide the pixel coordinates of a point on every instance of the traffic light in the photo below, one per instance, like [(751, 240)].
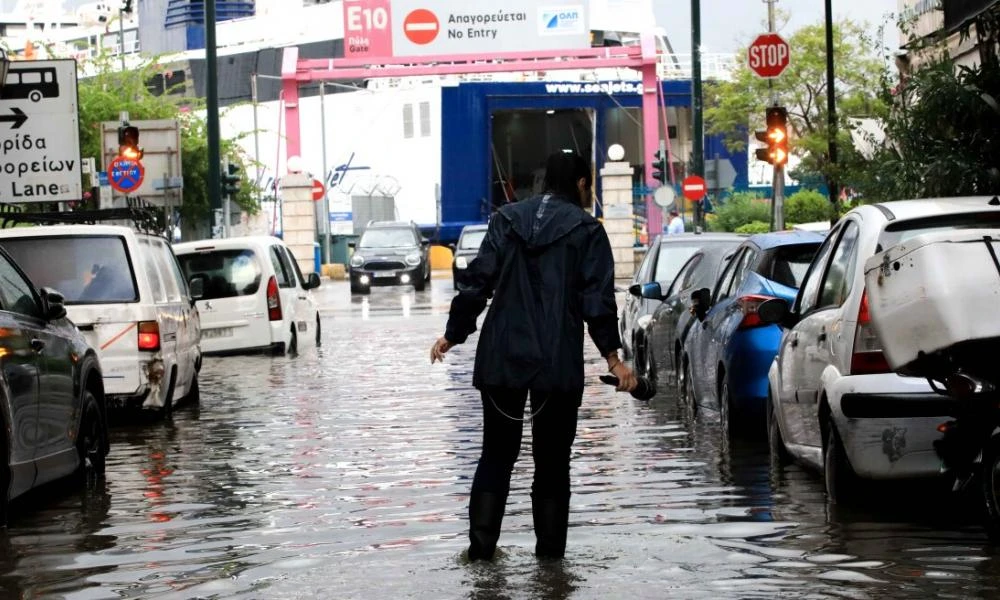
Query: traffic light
[(660, 167), (776, 137), (128, 142), (230, 179)]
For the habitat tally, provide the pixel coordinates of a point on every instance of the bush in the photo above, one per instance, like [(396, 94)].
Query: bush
[(807, 206), (754, 227), (740, 209)]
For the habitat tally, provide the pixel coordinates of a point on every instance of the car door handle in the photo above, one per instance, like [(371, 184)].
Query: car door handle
[(822, 337), (795, 342), (37, 345)]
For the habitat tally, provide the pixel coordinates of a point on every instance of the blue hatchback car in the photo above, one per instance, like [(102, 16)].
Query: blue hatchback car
[(728, 353)]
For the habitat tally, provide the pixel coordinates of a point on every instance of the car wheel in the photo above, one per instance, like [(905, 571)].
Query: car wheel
[(725, 408), (419, 285), (842, 484), (319, 332), (194, 392), (991, 487), (293, 343), (168, 399), (639, 361), (684, 391), (92, 438), (360, 289), (776, 445), (650, 367)]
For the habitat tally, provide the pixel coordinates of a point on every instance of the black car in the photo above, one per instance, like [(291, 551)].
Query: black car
[(465, 250), (390, 253), (664, 259), (54, 415)]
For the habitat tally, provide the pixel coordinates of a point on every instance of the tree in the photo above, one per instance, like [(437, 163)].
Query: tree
[(103, 96), (734, 105)]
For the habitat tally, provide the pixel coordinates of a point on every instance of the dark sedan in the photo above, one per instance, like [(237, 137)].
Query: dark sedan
[(52, 393), (465, 250)]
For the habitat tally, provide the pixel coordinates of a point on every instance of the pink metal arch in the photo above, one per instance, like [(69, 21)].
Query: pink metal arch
[(643, 58)]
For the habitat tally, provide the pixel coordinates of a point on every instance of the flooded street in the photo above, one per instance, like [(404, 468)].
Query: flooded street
[(344, 473)]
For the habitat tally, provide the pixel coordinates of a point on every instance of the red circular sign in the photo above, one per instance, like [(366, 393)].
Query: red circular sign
[(125, 174), (421, 26), (694, 188), (318, 190), (768, 55)]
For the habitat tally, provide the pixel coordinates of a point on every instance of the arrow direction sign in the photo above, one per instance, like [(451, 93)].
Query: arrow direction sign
[(18, 118)]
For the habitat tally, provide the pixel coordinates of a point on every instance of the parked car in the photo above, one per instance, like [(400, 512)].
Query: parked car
[(835, 404), (54, 417), (465, 250), (124, 291), (390, 253), (664, 333), (664, 259), (728, 352), (255, 297)]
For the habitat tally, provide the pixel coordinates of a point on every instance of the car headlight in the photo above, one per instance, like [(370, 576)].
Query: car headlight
[(413, 259), (357, 260), (461, 262)]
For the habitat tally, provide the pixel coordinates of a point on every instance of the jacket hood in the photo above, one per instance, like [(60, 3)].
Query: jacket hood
[(543, 220)]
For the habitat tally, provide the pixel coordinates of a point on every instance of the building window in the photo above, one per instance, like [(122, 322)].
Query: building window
[(407, 121), (425, 119)]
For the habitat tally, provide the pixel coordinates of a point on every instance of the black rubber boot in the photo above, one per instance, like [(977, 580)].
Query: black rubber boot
[(485, 516), (551, 518)]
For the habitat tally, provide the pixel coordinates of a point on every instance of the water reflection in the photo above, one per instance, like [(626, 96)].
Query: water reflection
[(344, 473)]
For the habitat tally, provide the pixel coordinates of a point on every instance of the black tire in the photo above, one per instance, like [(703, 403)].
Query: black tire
[(92, 437), (194, 392), (990, 478), (360, 289), (725, 408), (775, 443), (684, 386), (843, 486), (639, 362), (319, 332), (651, 366), (168, 400), (293, 344), (420, 284)]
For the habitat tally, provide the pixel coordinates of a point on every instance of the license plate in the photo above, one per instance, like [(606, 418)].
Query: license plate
[(385, 275), (221, 332)]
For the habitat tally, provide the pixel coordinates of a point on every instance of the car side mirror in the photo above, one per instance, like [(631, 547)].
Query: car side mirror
[(635, 290), (701, 301), (352, 244), (196, 288), (53, 304), (652, 291), (312, 281), (453, 247), (773, 311), (425, 242)]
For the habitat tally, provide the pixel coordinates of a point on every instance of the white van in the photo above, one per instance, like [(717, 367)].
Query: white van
[(255, 298), (124, 290)]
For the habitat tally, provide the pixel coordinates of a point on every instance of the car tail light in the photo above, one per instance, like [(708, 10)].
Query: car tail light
[(867, 358), (273, 300), (149, 336), (749, 305)]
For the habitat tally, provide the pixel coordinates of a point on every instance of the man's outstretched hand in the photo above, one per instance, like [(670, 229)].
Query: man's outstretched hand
[(439, 349)]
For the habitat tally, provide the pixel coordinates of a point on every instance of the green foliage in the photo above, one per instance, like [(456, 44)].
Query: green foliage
[(740, 209), (105, 95), (807, 206), (802, 89), (754, 227)]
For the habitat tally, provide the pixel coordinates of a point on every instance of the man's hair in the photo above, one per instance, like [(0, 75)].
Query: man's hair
[(562, 171)]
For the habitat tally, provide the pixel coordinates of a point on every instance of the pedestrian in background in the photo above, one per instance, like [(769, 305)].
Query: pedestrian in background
[(676, 224), (549, 266)]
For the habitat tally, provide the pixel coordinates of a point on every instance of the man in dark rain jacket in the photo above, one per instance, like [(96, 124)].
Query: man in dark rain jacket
[(549, 266)]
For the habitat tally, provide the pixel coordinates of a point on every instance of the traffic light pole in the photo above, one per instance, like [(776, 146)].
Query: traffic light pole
[(778, 173), (212, 106), (698, 125)]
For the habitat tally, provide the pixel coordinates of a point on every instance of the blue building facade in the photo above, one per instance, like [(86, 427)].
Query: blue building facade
[(177, 25)]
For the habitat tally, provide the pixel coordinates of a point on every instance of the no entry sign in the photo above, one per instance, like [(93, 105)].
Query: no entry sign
[(768, 55), (421, 26), (694, 188), (318, 190), (125, 175)]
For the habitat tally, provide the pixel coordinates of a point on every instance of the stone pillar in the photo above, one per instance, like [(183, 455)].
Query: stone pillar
[(298, 219), (619, 220)]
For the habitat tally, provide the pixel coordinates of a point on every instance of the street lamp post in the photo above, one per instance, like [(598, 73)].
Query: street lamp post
[(831, 108)]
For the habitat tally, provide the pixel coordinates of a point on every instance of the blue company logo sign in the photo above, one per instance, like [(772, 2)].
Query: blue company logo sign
[(336, 176), (560, 20)]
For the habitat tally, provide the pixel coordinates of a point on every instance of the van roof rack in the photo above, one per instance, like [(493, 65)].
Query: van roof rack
[(143, 218)]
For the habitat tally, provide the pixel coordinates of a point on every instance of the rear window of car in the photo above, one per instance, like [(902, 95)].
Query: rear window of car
[(788, 265), (227, 273), (472, 240), (84, 269), (900, 231)]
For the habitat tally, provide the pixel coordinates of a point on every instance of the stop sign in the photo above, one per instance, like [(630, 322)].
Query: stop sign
[(694, 188), (768, 55), (318, 191)]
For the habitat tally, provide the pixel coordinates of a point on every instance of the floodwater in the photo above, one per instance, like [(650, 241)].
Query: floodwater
[(344, 473)]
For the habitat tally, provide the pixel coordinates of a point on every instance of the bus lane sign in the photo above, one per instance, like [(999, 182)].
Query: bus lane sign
[(39, 133)]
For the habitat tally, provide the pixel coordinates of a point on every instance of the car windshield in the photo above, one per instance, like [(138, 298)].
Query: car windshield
[(789, 264), (388, 238), (226, 273), (84, 269), (900, 231), (472, 240)]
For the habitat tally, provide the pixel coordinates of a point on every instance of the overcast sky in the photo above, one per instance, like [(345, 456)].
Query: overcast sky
[(729, 25)]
